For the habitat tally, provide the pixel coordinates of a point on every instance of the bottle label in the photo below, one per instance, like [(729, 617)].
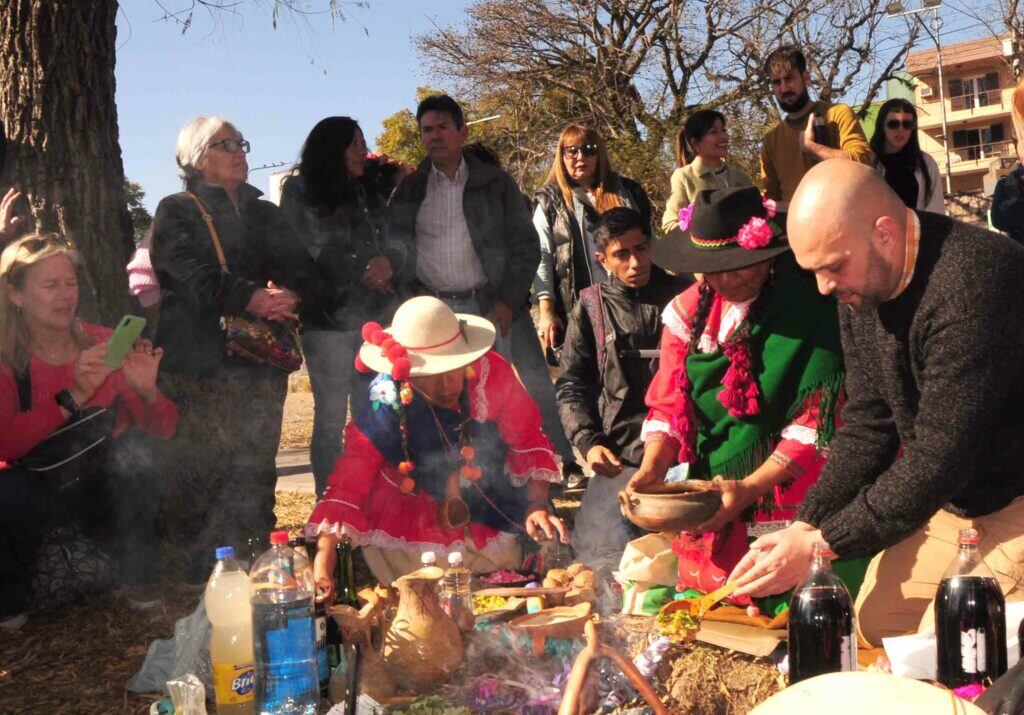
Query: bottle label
[(233, 682), (848, 653), (973, 658)]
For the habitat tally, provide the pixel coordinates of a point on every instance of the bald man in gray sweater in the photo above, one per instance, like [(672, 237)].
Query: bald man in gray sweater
[(932, 322)]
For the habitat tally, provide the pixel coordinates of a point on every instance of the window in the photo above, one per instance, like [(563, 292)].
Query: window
[(974, 92), (980, 143)]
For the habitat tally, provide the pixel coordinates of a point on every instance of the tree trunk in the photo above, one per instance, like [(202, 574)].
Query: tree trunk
[(57, 106)]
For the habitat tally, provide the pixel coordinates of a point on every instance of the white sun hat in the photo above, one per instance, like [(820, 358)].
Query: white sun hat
[(427, 333)]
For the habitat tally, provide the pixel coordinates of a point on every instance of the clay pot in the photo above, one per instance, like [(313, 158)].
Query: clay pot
[(356, 627), (681, 506), (559, 622), (422, 646)]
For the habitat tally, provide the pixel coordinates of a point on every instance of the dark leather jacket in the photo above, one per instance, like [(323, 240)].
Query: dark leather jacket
[(568, 240), (1008, 204), (611, 411), (258, 247)]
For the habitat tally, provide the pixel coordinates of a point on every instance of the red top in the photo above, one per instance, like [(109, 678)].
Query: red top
[(21, 431)]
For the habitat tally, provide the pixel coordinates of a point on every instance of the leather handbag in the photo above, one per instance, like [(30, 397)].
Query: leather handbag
[(260, 341), (73, 451)]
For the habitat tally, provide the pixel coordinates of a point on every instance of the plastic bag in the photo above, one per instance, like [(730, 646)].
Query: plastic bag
[(187, 652), (188, 694)]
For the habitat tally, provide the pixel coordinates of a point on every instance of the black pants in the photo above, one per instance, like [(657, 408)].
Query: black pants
[(120, 503)]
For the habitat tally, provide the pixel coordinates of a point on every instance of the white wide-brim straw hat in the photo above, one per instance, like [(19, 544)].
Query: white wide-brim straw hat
[(436, 339)]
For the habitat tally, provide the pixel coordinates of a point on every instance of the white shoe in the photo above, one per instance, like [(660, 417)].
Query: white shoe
[(14, 623)]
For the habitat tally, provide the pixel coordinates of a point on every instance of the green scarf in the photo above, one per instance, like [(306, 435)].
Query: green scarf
[(795, 352)]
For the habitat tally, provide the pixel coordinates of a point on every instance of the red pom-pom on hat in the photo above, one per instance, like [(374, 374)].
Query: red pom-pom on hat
[(394, 352), (361, 366), (369, 329), (401, 368), (387, 343)]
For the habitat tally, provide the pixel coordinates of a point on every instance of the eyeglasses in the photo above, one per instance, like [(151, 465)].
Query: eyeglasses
[(586, 150), (907, 124), (38, 243), (232, 146)]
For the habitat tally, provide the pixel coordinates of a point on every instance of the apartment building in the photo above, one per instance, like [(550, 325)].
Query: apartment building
[(978, 85)]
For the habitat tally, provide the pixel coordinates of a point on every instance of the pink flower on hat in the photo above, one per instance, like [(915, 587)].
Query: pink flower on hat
[(685, 215), (756, 233), (771, 207)]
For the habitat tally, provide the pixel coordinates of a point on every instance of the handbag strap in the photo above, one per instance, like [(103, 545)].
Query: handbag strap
[(24, 381), (213, 232)]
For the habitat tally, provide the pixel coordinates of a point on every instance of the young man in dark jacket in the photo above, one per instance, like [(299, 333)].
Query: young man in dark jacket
[(608, 360)]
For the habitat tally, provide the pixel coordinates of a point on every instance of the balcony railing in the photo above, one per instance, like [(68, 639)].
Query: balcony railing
[(980, 152), (976, 100)]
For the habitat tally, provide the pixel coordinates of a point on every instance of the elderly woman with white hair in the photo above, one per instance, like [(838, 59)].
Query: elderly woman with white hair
[(219, 250)]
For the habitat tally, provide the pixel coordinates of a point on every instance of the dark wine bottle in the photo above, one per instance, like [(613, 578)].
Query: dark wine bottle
[(970, 620), (822, 637)]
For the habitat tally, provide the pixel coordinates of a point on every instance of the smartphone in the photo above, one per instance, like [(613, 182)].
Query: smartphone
[(124, 337)]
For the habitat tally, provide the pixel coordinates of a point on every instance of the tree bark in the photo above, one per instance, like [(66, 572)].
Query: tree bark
[(57, 107)]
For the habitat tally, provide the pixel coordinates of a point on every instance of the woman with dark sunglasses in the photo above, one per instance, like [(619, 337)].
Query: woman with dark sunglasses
[(581, 186), (910, 172), (702, 146)]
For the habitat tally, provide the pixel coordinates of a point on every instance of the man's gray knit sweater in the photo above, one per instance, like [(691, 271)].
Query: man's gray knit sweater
[(940, 371)]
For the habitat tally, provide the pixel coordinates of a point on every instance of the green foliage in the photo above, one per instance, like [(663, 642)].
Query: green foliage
[(141, 218), (400, 139)]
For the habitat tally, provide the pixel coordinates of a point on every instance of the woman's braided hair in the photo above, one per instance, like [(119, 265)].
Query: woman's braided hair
[(707, 296)]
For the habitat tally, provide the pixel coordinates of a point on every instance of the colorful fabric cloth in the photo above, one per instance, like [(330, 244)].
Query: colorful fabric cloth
[(363, 500)]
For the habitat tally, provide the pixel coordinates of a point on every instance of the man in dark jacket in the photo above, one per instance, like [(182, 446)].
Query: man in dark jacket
[(607, 362), (611, 345), (465, 225), (932, 324)]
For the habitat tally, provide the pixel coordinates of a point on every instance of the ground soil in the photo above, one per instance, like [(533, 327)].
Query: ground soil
[(77, 659)]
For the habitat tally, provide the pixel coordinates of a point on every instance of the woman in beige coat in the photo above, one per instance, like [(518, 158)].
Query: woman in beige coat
[(701, 147)]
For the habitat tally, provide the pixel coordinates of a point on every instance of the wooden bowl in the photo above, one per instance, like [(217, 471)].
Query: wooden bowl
[(680, 506)]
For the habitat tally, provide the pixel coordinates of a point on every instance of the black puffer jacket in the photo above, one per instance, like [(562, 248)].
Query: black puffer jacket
[(258, 247), (568, 239), (611, 412)]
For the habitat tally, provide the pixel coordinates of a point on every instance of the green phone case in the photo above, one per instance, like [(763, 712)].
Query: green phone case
[(124, 337)]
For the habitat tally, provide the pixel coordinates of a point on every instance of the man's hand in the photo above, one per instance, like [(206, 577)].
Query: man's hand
[(549, 325), (541, 524), (737, 495), (776, 562), (807, 143), (603, 461), (501, 315), (378, 275), (8, 221)]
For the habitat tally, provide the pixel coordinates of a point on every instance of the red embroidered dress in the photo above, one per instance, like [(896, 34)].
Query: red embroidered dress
[(363, 500)]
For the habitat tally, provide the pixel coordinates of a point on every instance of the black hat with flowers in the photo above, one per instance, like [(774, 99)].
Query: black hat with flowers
[(722, 230)]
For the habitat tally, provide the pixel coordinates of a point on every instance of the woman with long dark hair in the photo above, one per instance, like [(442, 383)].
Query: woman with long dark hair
[(702, 146), (339, 217), (910, 172), (581, 186)]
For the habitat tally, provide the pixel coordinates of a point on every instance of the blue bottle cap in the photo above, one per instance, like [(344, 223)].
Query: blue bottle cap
[(224, 552)]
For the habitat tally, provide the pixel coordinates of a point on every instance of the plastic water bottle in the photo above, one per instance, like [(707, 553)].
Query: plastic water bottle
[(227, 607), (456, 598), (282, 588)]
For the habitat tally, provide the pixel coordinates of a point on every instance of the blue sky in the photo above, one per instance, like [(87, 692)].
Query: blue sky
[(273, 84)]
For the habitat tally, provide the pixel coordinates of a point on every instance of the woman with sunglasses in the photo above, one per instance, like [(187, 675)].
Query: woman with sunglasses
[(52, 368), (581, 186), (910, 172), (701, 149), (222, 472)]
